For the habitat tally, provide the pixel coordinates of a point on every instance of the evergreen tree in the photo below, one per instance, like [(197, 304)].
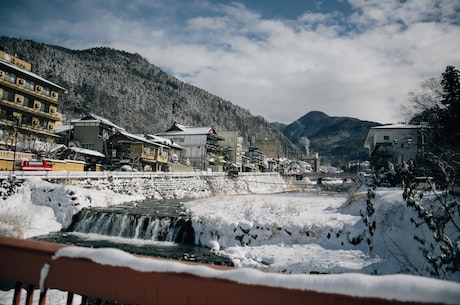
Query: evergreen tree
[(450, 117)]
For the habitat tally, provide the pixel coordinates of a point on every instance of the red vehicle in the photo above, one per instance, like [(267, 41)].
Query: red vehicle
[(34, 165)]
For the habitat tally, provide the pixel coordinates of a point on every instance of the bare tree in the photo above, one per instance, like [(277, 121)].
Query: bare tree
[(438, 213), (423, 100)]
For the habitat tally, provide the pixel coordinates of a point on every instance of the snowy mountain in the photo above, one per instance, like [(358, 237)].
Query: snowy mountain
[(337, 139), (135, 94)]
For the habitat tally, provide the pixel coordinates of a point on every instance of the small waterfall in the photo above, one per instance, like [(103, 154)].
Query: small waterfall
[(149, 227)]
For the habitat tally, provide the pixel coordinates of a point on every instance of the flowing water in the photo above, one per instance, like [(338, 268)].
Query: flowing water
[(150, 227)]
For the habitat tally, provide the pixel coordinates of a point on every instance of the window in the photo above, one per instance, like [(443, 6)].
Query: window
[(6, 114), (28, 102), (46, 91), (386, 138), (147, 151), (8, 96), (43, 124), (30, 84), (26, 119), (11, 77), (86, 124), (44, 107)]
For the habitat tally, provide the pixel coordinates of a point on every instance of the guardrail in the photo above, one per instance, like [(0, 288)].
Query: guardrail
[(36, 264), (113, 174), (101, 175)]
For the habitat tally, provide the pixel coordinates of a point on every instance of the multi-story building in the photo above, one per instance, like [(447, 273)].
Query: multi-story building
[(93, 133), (396, 144), (28, 106), (141, 153), (233, 147), (271, 148), (200, 143), (256, 158)]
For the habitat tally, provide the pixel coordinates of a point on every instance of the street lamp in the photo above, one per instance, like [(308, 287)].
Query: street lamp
[(17, 119)]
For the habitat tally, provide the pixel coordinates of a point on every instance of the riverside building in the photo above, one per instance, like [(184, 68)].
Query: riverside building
[(28, 106)]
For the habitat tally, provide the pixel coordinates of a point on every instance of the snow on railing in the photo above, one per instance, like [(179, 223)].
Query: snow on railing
[(114, 275)]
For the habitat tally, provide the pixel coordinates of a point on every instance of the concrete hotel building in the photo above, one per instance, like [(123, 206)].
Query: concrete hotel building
[(28, 106)]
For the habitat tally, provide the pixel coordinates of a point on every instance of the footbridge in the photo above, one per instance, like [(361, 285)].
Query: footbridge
[(313, 176)]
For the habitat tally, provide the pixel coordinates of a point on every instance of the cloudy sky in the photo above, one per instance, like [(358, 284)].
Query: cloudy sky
[(278, 59)]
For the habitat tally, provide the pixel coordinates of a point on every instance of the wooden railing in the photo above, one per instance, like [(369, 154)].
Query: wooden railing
[(23, 262)]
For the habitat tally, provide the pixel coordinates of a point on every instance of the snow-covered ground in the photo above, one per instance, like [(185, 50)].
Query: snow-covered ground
[(40, 207), (297, 233), (289, 232), (313, 232)]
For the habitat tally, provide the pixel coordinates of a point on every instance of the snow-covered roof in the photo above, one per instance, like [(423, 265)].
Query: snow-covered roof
[(31, 74), (61, 128), (179, 129), (86, 151), (139, 138), (397, 126), (369, 142), (93, 117), (165, 141)]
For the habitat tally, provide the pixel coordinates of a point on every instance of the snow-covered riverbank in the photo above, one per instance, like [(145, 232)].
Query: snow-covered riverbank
[(38, 207), (286, 232), (313, 232)]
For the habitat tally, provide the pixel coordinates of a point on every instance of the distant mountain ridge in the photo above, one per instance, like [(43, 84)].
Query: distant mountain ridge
[(337, 139)]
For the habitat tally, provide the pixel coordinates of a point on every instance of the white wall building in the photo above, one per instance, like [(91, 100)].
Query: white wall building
[(396, 143), (199, 143)]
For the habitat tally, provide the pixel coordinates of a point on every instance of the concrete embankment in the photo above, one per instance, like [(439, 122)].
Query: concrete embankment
[(162, 185), (182, 185)]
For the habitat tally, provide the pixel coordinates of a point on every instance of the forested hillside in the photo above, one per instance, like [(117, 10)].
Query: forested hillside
[(135, 94), (339, 140)]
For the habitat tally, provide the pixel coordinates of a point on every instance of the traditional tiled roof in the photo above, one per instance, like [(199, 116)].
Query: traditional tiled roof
[(139, 138), (179, 129), (94, 117)]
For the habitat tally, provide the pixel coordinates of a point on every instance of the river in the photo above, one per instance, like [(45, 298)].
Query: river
[(150, 227)]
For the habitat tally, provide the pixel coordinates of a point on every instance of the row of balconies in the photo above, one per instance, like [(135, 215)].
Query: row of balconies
[(22, 84), (150, 152), (34, 123), (18, 105)]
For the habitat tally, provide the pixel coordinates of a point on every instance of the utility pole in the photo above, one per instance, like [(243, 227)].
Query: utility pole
[(17, 119)]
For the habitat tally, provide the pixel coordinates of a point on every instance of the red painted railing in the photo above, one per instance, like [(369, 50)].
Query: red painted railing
[(22, 261)]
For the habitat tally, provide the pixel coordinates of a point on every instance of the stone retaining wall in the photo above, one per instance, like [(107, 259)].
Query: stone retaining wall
[(185, 186)]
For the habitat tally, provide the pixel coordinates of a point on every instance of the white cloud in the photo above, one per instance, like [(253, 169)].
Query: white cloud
[(362, 65), (282, 71)]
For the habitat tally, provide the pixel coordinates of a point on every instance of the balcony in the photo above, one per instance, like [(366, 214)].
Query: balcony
[(36, 94), (21, 108)]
